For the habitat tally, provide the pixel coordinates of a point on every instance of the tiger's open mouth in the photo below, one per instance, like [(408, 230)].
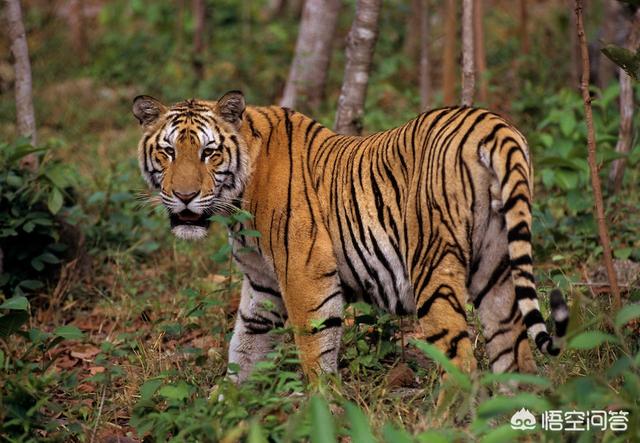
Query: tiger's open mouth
[(188, 218)]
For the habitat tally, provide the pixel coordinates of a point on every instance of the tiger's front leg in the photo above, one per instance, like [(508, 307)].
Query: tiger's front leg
[(315, 307), (261, 310)]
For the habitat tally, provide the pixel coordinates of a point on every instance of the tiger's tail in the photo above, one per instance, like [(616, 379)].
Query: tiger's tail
[(509, 159)]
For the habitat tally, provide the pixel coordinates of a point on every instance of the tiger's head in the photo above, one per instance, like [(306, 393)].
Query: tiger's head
[(193, 153)]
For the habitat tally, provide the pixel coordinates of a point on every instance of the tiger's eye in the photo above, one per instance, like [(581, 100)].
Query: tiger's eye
[(169, 151), (207, 152)]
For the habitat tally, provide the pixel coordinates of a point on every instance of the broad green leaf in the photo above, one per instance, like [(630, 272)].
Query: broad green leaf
[(256, 435), (175, 392), (623, 253), (54, 203), (11, 322), (68, 332), (626, 314), (591, 339), (360, 430), (322, 427), (394, 435), (501, 434), (16, 303), (433, 436), (438, 356), (1, 360), (149, 388), (508, 405)]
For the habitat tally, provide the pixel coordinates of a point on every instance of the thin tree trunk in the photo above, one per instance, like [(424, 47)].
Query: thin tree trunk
[(411, 44), (274, 9), (524, 25), (449, 56), (625, 133), (468, 69), (308, 74), (200, 36), (361, 43), (591, 144), (77, 29), (481, 58), (24, 103), (425, 65)]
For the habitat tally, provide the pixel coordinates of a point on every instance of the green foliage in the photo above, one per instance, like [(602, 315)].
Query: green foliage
[(173, 409), (31, 228)]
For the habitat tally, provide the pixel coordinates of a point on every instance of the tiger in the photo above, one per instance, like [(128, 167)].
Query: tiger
[(424, 219)]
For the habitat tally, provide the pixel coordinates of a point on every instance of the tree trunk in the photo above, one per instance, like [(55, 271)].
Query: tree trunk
[(24, 104), (200, 36), (411, 44), (524, 25), (425, 66), (468, 69), (625, 132), (593, 166), (274, 9), (77, 29), (308, 74), (449, 56), (361, 42), (481, 58)]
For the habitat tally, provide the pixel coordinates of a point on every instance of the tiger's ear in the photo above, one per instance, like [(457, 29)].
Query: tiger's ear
[(231, 106), (147, 109)]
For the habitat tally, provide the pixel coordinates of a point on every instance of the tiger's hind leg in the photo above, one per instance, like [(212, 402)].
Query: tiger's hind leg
[(441, 296), (261, 310), (493, 295)]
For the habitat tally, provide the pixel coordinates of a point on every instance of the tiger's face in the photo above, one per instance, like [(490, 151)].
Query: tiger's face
[(192, 152)]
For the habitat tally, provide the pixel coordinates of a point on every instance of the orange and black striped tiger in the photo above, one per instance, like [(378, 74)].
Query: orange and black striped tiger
[(421, 219)]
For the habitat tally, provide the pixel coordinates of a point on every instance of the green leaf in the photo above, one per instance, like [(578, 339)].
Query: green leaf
[(501, 434), (16, 303), (54, 203), (1, 359), (322, 427), (591, 339), (68, 332), (500, 405), (624, 315), (438, 356), (393, 435), (242, 216), (623, 253), (149, 388), (360, 430), (177, 392), (567, 124), (11, 322), (256, 435)]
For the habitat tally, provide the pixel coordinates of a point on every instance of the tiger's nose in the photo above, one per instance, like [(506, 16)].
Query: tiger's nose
[(186, 197)]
